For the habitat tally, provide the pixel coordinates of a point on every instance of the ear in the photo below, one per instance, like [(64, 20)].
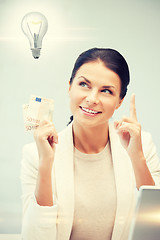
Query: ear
[(120, 102), (69, 86)]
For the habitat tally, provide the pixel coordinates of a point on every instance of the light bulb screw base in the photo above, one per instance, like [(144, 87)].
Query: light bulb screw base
[(36, 52)]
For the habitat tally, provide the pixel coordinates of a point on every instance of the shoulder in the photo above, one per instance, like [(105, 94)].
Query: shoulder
[(30, 155), (146, 136), (67, 131), (65, 137), (146, 139), (148, 145), (30, 148)]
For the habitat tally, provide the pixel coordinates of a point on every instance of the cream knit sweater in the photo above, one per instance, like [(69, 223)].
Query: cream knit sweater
[(95, 196)]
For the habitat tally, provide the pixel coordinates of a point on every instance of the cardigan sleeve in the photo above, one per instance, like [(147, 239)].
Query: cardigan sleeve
[(39, 222), (151, 156)]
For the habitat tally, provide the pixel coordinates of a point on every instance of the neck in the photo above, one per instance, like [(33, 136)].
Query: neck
[(90, 139)]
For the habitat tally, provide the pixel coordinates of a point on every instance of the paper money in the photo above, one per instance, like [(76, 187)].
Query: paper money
[(38, 109)]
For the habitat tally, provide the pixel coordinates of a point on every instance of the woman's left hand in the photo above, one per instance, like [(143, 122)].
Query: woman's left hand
[(129, 131)]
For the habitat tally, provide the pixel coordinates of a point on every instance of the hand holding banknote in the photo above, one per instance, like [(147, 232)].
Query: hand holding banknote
[(38, 118), (46, 137)]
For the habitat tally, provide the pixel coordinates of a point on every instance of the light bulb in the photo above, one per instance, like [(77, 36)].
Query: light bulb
[(34, 26)]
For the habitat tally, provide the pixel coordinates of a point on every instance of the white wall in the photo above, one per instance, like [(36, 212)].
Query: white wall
[(132, 27)]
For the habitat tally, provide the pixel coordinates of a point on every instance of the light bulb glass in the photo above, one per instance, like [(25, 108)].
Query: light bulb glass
[(34, 26)]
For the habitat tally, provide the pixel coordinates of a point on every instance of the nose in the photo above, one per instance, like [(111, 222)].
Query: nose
[(92, 98)]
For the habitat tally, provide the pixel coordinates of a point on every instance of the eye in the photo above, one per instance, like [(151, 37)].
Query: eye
[(107, 91), (83, 84)]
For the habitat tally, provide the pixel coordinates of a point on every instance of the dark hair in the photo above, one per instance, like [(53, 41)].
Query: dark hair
[(111, 58)]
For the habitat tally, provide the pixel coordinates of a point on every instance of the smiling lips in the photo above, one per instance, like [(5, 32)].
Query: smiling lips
[(89, 111)]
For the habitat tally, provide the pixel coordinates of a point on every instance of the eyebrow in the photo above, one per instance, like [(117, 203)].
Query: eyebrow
[(90, 82)]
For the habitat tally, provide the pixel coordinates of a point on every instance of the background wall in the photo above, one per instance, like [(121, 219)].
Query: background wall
[(131, 27)]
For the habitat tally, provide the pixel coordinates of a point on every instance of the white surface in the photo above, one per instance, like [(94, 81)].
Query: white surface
[(146, 221)]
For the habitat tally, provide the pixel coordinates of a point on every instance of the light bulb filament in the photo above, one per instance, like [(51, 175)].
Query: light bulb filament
[(36, 22), (35, 39), (36, 35)]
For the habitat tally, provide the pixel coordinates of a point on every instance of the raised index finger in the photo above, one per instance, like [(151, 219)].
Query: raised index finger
[(133, 113)]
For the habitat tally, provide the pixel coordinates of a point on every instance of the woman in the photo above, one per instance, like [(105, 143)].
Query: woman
[(80, 184)]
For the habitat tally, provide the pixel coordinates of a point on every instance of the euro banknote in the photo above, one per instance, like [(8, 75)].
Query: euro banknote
[(38, 109)]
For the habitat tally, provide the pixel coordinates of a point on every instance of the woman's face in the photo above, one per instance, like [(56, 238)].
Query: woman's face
[(94, 94)]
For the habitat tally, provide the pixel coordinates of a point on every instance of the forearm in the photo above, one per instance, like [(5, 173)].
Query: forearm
[(142, 172), (43, 191)]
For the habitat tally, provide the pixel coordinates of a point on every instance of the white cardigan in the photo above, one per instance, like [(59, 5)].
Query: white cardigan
[(55, 223)]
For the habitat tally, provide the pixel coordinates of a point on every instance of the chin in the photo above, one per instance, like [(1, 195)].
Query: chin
[(91, 123)]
